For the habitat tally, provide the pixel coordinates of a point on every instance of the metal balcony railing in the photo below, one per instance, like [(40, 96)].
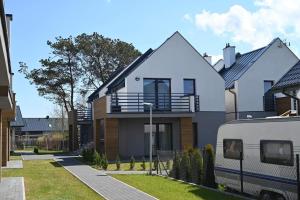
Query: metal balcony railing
[(84, 115), (162, 102)]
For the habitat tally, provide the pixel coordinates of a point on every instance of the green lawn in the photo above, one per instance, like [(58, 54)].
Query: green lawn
[(47, 180), (164, 188), (15, 156)]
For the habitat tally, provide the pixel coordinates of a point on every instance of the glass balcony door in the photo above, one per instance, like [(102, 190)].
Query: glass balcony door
[(158, 92)]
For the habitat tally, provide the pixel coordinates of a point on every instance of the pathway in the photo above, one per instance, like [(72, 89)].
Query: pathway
[(12, 188), (33, 156), (107, 186)]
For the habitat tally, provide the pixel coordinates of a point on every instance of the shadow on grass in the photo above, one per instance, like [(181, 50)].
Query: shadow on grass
[(55, 164), (12, 153)]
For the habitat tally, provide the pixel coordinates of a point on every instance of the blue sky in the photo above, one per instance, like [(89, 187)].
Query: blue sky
[(207, 25)]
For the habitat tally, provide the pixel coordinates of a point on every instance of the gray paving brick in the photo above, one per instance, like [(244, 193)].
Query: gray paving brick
[(12, 188), (107, 186)]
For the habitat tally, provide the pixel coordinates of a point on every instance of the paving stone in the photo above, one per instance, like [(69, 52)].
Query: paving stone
[(14, 164), (107, 186), (12, 188)]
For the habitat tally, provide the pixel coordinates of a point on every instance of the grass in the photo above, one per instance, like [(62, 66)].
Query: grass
[(15, 156), (165, 189), (47, 180)]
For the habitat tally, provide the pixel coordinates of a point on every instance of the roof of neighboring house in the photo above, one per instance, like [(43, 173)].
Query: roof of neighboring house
[(118, 71), (43, 124), (242, 64), (19, 119), (290, 80)]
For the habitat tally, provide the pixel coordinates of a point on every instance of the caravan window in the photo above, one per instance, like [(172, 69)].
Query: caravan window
[(276, 152), (232, 148)]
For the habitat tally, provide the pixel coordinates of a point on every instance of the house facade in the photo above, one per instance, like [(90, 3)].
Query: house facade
[(186, 92), (7, 97), (288, 87), (250, 76)]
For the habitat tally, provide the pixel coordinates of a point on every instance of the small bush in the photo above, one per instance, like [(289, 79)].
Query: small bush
[(196, 166), (156, 164), (185, 167), (132, 163), (35, 150), (143, 164), (97, 159), (104, 162), (176, 166), (118, 162), (208, 166)]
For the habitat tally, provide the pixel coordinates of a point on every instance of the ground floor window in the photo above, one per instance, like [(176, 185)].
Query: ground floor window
[(161, 137)]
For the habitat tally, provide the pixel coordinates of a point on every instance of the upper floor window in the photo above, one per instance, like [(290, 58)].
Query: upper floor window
[(189, 86)]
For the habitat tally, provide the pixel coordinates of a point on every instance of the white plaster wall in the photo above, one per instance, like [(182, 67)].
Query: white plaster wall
[(177, 60), (272, 65)]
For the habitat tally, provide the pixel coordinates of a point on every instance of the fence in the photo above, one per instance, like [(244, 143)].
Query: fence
[(270, 178)]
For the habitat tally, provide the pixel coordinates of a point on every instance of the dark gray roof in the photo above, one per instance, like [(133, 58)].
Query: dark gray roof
[(290, 80), (242, 64), (19, 119), (44, 124), (134, 64)]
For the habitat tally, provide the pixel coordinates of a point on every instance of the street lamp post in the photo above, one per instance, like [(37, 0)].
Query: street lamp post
[(150, 136)]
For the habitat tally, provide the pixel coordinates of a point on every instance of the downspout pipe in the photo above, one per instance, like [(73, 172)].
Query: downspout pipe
[(235, 103), (293, 97)]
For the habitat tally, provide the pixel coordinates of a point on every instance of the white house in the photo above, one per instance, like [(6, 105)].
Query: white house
[(187, 95), (250, 76)]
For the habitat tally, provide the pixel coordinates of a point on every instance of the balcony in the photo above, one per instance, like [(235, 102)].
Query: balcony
[(84, 116), (162, 103)]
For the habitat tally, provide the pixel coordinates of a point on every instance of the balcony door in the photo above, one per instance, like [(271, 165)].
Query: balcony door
[(158, 92)]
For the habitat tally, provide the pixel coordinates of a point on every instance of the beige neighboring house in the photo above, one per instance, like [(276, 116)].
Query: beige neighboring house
[(7, 97)]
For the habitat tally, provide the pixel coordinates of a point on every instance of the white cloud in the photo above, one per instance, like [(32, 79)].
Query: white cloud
[(272, 18), (188, 18)]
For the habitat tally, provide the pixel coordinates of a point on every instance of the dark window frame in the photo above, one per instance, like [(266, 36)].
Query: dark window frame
[(194, 87), (277, 162), (230, 157)]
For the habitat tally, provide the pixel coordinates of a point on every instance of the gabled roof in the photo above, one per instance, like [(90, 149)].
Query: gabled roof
[(19, 119), (118, 71), (43, 124), (242, 64), (290, 80)]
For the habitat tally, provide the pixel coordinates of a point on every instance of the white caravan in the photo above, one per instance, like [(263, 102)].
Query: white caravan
[(268, 148)]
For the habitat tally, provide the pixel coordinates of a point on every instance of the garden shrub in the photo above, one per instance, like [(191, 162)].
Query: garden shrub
[(196, 166), (118, 162), (132, 163), (97, 159), (176, 166), (185, 167), (35, 150), (208, 166), (143, 164), (104, 163), (156, 164)]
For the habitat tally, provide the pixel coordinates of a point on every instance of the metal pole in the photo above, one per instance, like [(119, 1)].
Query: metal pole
[(150, 139), (298, 176), (241, 170)]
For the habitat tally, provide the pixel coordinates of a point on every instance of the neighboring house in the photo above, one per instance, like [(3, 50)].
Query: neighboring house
[(7, 97), (16, 128), (250, 76), (25, 131), (289, 85), (187, 96)]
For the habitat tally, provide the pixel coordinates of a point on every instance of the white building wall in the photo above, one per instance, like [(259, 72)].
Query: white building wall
[(272, 65), (177, 60)]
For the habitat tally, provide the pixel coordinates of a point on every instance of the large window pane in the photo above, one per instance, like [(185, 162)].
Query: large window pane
[(163, 94), (276, 152), (189, 86), (165, 137), (147, 139), (149, 91)]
